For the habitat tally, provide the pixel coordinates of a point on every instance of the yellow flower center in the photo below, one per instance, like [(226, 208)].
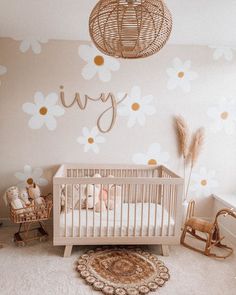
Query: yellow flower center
[(135, 106), (99, 60), (152, 162), (224, 115), (30, 181), (181, 75), (204, 182), (90, 140), (43, 111)]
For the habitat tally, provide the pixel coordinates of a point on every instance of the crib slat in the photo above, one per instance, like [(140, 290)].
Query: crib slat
[(94, 210), (121, 213), (115, 196), (79, 210), (128, 222), (108, 211), (156, 202), (162, 209), (87, 210), (141, 233), (175, 204), (66, 211), (101, 214), (149, 206), (73, 205), (135, 208), (169, 208)]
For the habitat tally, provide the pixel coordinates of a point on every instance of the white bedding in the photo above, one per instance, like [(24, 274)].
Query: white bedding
[(88, 231)]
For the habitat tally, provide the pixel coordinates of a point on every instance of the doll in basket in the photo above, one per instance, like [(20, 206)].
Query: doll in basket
[(27, 201)]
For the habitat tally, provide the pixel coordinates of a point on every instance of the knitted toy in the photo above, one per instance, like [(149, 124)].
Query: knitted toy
[(11, 197), (35, 195), (100, 198), (114, 193), (93, 196), (23, 195)]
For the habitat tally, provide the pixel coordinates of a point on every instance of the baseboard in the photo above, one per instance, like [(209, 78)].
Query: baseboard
[(6, 222), (227, 233)]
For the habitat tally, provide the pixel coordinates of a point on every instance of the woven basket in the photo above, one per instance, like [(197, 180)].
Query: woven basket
[(130, 28), (31, 213)]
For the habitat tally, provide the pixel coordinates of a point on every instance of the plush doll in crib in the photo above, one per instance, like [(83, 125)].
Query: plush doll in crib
[(83, 196), (102, 199)]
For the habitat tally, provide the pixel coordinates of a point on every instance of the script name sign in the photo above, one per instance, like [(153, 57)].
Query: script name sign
[(109, 101)]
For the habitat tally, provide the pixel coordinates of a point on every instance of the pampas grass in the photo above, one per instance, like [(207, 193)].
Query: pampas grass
[(182, 132), (189, 152), (196, 146)]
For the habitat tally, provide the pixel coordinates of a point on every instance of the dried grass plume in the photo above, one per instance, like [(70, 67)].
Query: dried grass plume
[(182, 133), (196, 146)]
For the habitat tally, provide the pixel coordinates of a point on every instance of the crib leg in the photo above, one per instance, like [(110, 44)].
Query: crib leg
[(68, 250), (165, 250)]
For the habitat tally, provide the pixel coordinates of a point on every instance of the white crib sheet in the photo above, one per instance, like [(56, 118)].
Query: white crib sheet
[(90, 232)]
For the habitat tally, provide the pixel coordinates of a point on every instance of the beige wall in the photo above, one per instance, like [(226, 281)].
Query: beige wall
[(203, 84)]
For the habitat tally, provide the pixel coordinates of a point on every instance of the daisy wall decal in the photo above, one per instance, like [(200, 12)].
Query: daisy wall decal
[(226, 53), (97, 63), (29, 176), (43, 111), (136, 107), (204, 182), (3, 71), (91, 139), (153, 156), (180, 75), (32, 43), (223, 116)]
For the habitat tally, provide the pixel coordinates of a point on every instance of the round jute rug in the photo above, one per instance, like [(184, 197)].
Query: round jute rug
[(122, 271)]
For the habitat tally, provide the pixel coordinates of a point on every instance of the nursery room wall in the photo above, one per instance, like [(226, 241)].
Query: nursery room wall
[(38, 133)]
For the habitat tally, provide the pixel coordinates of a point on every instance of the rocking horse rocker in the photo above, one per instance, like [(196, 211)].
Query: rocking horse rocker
[(211, 229)]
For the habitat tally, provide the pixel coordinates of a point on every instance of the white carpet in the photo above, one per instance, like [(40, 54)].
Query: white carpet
[(40, 269)]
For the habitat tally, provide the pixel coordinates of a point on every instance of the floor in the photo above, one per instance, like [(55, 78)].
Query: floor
[(40, 269)]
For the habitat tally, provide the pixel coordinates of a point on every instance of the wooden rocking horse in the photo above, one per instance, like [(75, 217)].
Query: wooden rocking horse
[(211, 229)]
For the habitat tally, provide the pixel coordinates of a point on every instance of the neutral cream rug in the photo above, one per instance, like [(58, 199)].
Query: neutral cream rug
[(40, 269), (122, 271)]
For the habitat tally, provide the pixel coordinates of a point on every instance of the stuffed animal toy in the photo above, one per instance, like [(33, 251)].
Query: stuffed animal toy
[(11, 197), (93, 196), (78, 202), (114, 193), (35, 195), (100, 199), (23, 195)]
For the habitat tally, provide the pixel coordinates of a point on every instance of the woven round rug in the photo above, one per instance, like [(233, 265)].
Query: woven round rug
[(122, 271)]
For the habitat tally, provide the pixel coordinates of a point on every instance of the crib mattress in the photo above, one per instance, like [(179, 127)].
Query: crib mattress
[(122, 222)]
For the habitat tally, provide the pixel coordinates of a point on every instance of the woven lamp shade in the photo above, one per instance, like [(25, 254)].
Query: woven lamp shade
[(130, 28)]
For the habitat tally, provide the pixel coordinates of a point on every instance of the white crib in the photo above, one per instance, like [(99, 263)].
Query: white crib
[(149, 211)]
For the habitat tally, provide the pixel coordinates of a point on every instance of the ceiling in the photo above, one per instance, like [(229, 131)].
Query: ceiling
[(202, 22)]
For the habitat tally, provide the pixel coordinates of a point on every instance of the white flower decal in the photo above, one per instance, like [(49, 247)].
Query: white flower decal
[(30, 176), (204, 183), (153, 156), (180, 75), (224, 116), (222, 52), (91, 139), (136, 107), (97, 63), (33, 43), (43, 111), (3, 71)]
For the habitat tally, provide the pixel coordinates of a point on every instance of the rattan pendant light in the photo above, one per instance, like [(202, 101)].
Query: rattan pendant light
[(130, 28)]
